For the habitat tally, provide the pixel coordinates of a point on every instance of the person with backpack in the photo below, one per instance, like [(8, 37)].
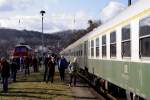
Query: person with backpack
[(73, 68), (62, 65)]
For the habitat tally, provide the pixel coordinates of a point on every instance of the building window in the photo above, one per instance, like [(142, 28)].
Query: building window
[(104, 46), (97, 47), (113, 44), (126, 42), (144, 37), (92, 48)]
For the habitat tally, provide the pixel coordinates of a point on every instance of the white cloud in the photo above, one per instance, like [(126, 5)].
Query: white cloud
[(6, 5), (30, 18), (111, 10), (54, 1), (2, 1), (52, 23)]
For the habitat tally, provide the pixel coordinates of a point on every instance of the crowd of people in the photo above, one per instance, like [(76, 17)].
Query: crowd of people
[(9, 69)]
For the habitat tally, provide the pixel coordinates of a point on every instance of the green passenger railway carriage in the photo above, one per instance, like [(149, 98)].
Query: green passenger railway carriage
[(119, 51)]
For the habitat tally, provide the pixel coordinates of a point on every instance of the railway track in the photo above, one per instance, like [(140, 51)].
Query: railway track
[(102, 95)]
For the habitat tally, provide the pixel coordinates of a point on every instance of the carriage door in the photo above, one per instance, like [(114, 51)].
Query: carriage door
[(85, 54)]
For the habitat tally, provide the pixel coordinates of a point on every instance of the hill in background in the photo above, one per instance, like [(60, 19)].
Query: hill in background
[(11, 37)]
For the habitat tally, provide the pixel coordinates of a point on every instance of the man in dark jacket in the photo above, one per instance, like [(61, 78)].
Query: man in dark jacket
[(51, 69), (14, 68), (5, 73), (35, 64), (62, 65), (27, 64), (46, 67)]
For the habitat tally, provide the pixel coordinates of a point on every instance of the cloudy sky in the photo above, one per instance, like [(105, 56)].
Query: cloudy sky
[(60, 14)]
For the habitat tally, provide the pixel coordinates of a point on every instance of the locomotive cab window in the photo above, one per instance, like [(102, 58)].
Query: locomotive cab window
[(113, 44), (104, 46), (92, 48), (126, 42), (97, 47), (144, 37)]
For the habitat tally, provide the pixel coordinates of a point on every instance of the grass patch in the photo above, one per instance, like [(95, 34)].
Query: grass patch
[(32, 88)]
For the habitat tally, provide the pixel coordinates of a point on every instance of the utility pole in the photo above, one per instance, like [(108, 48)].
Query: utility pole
[(42, 13)]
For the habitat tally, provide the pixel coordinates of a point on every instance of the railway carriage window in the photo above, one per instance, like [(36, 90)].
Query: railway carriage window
[(104, 46), (75, 53), (89, 48), (144, 37), (126, 42), (92, 48), (79, 52), (85, 52), (113, 44), (97, 47)]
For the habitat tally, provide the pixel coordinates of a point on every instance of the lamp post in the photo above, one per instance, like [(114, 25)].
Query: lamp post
[(129, 2), (42, 13)]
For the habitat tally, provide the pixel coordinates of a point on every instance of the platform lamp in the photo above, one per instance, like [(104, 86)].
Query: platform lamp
[(42, 12), (129, 2)]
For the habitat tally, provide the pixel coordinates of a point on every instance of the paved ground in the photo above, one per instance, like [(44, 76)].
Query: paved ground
[(82, 92), (32, 88)]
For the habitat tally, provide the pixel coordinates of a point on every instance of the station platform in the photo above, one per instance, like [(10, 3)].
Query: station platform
[(32, 87)]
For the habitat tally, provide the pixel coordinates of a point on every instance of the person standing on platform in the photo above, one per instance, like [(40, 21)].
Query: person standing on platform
[(51, 69), (35, 64), (73, 71), (14, 67), (46, 67), (5, 72), (62, 65), (27, 64), (0, 68), (40, 61), (18, 63), (21, 63)]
